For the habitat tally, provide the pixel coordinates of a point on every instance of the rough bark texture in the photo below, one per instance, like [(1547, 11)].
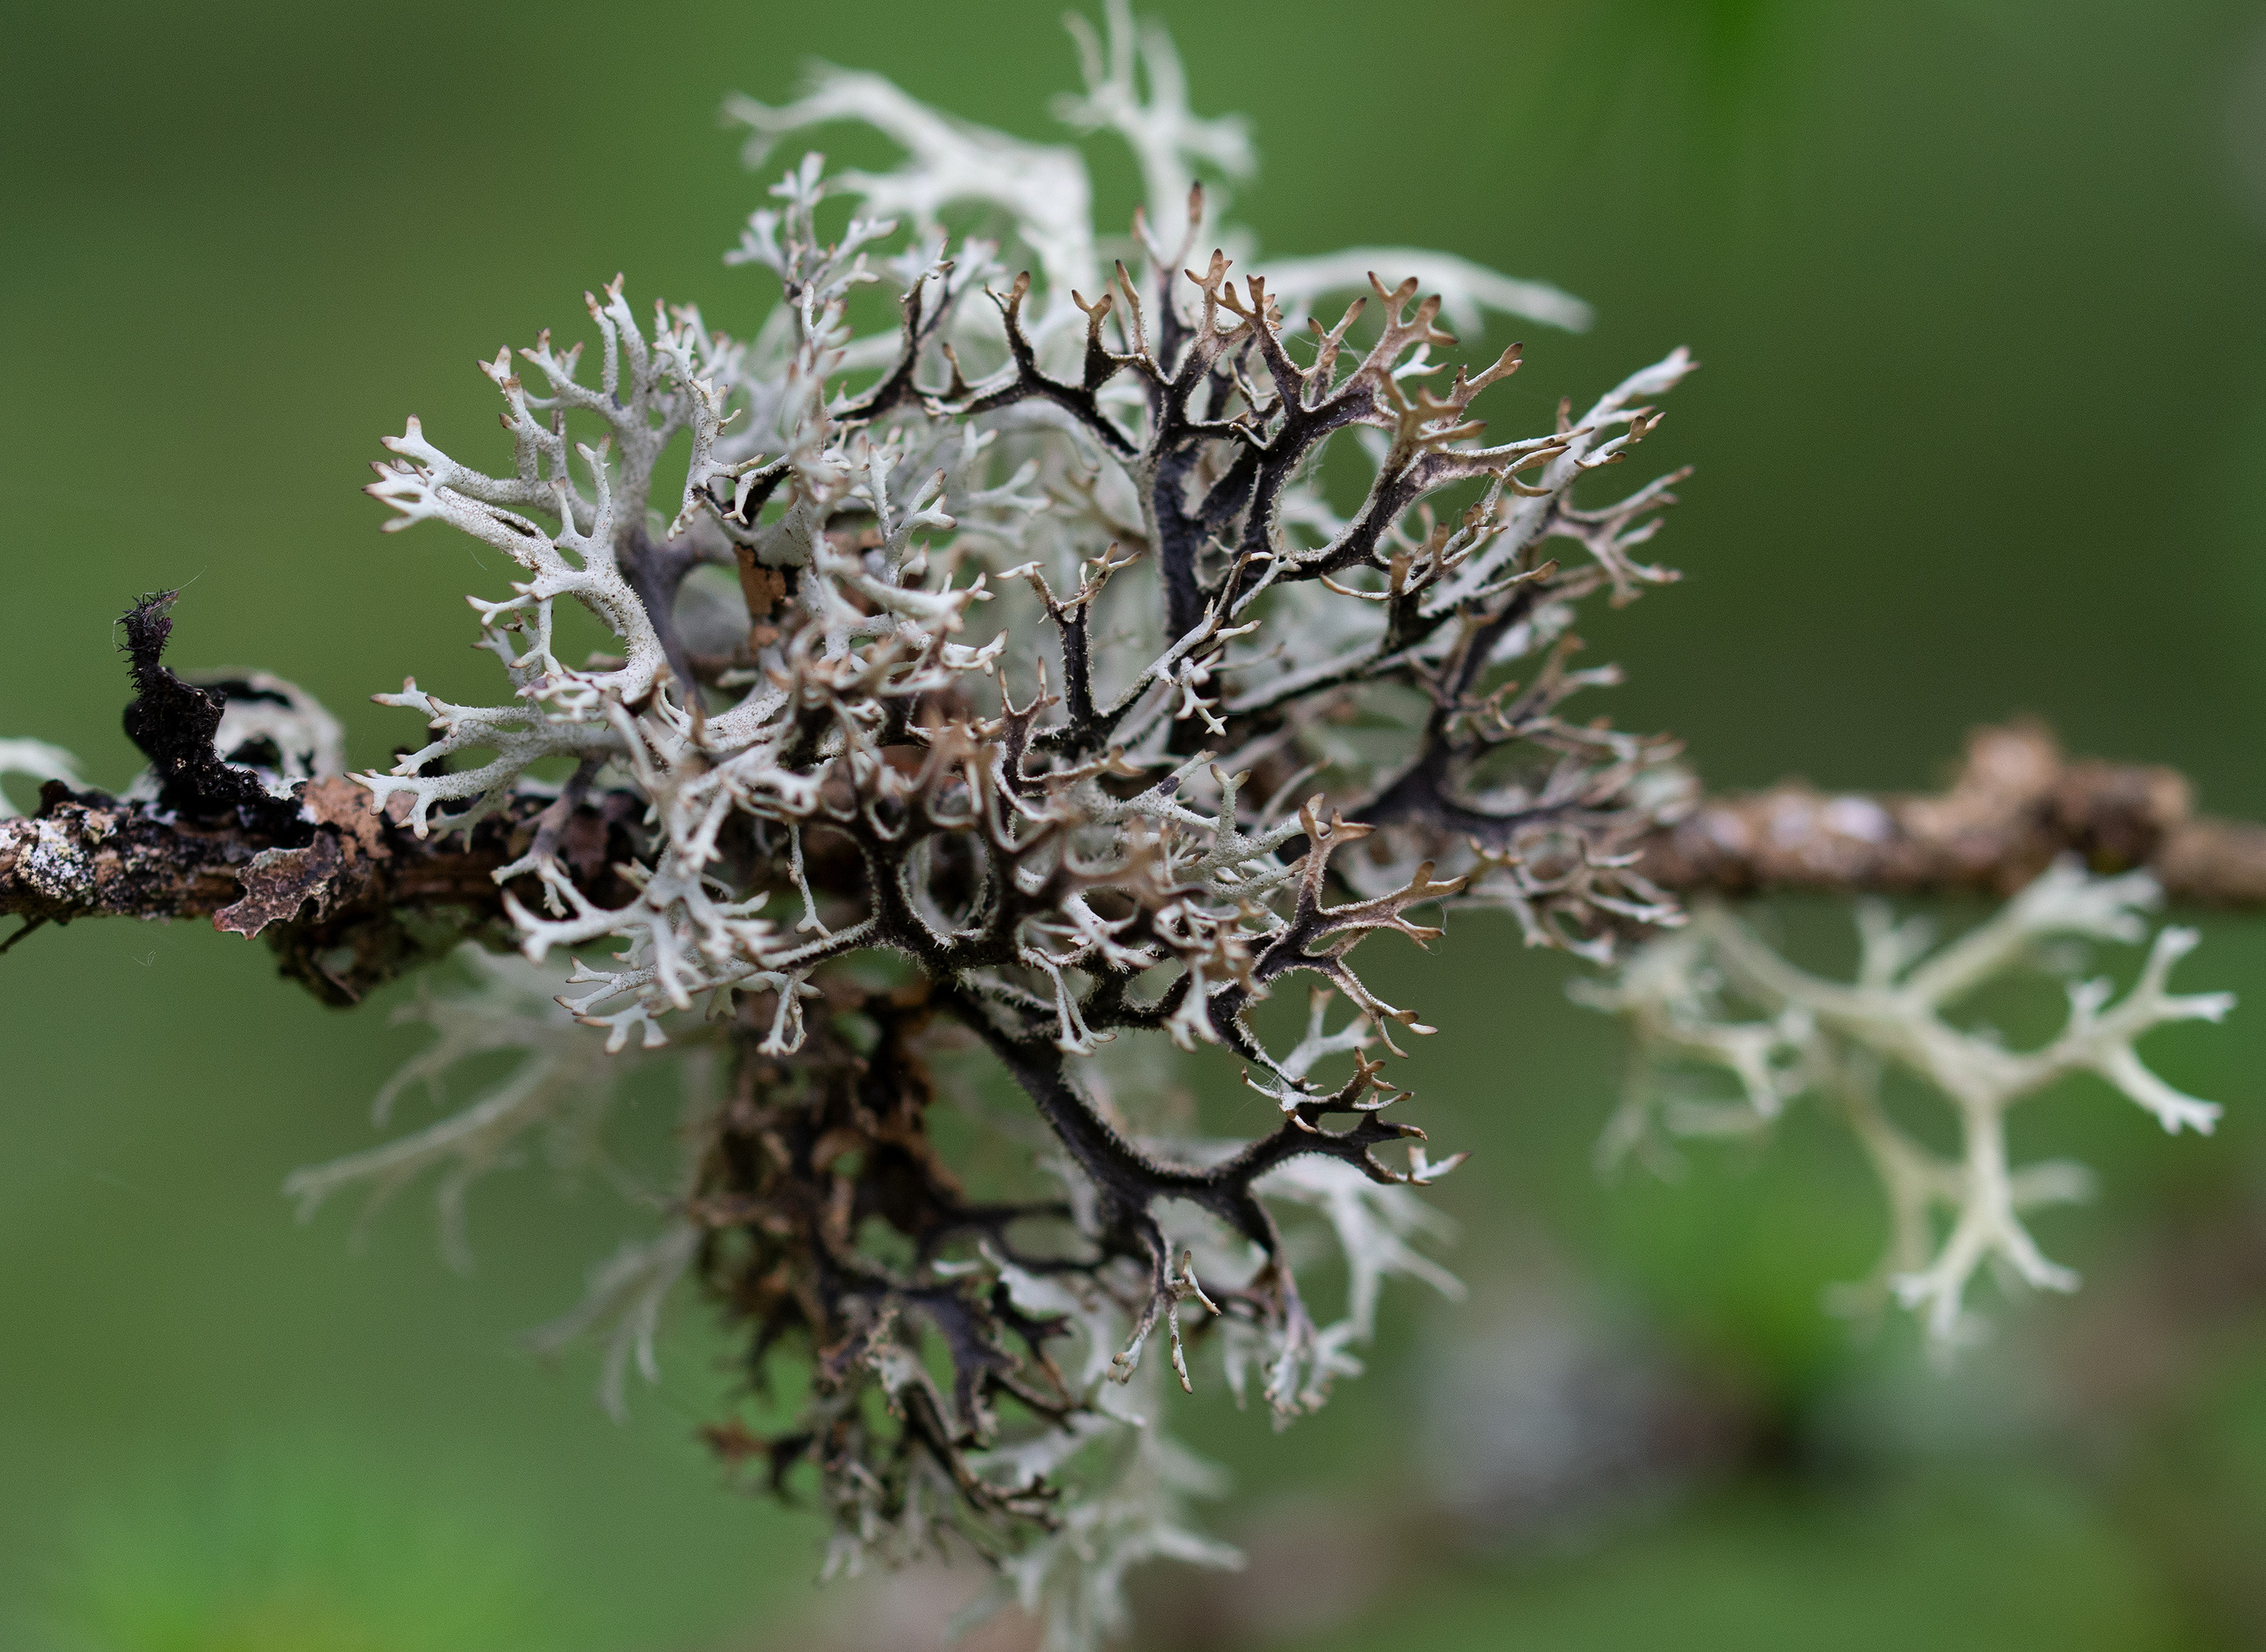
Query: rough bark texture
[(348, 897)]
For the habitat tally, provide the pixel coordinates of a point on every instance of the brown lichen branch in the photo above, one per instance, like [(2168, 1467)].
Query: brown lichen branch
[(2016, 804)]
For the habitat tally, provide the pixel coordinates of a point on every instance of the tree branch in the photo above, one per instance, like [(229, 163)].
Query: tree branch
[(2016, 804)]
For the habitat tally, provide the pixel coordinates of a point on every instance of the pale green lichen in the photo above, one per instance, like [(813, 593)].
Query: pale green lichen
[(1714, 995)]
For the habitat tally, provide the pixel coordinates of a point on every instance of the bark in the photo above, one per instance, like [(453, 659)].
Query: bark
[(346, 896), (2016, 804)]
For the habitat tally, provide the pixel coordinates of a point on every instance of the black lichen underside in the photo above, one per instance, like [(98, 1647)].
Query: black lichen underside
[(173, 722)]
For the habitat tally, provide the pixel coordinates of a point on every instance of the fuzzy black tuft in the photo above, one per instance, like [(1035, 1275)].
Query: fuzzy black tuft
[(173, 722)]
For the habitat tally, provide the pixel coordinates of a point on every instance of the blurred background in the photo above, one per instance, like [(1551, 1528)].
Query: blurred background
[(1982, 430)]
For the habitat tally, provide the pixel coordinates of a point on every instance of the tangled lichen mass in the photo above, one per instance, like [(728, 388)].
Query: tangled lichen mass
[(1030, 643)]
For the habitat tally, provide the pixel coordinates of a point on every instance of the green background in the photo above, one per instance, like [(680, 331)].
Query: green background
[(1982, 429)]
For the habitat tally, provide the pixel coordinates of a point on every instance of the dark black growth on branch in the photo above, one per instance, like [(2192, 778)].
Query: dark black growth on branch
[(173, 723)]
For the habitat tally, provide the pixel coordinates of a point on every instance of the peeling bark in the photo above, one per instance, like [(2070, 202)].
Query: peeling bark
[(357, 900)]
